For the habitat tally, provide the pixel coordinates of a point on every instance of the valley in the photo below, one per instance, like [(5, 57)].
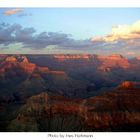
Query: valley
[(69, 93)]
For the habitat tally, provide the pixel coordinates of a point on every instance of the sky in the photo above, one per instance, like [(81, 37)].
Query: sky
[(70, 30)]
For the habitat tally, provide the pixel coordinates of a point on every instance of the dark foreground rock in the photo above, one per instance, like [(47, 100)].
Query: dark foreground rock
[(118, 110)]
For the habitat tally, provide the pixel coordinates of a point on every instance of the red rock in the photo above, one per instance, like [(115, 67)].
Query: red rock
[(127, 84), (11, 59), (43, 69), (24, 59), (28, 67), (104, 112), (72, 56)]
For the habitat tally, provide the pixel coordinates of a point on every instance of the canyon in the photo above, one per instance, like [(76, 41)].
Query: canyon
[(69, 92)]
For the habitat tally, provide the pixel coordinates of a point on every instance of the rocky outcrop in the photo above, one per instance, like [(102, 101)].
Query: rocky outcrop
[(63, 57), (26, 79), (113, 62), (28, 67), (127, 85), (24, 59), (22, 62), (98, 62), (77, 76), (118, 110), (17, 62), (11, 59), (115, 57), (138, 58)]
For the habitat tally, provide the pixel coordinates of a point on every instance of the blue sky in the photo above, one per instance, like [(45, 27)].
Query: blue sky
[(81, 23)]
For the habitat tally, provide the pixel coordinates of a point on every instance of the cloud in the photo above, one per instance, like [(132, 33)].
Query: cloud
[(12, 11), (121, 32), (123, 39), (24, 14), (31, 39), (131, 53), (3, 48)]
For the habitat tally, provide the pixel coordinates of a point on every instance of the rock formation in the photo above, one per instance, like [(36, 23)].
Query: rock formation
[(114, 111), (127, 85)]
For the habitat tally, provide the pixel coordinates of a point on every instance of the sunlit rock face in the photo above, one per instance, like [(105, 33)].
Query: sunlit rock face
[(43, 69), (17, 58), (11, 59), (24, 59), (115, 56), (104, 63), (28, 67), (127, 85), (22, 62), (138, 58), (67, 57), (113, 61), (21, 78), (18, 62)]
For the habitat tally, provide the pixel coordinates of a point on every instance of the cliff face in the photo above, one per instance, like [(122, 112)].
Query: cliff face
[(21, 63), (114, 60), (118, 110), (85, 79), (76, 76), (17, 62), (64, 57), (19, 77), (11, 59), (127, 85)]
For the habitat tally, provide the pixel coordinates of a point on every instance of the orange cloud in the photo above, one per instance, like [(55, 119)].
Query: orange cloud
[(12, 11), (124, 32)]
